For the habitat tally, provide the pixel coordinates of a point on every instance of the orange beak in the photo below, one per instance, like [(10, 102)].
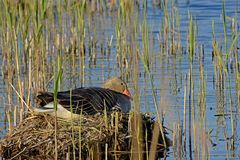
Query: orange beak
[(127, 93)]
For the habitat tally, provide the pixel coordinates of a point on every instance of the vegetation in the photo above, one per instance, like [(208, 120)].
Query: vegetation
[(57, 45)]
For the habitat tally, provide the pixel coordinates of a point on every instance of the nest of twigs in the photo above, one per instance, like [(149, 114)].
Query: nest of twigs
[(96, 137)]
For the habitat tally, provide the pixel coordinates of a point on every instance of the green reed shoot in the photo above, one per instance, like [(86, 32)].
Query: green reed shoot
[(191, 39), (220, 62), (166, 27), (57, 85), (42, 37), (73, 138), (145, 37), (146, 67), (224, 25), (177, 21)]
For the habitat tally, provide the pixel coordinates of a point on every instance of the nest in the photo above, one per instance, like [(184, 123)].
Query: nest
[(40, 136)]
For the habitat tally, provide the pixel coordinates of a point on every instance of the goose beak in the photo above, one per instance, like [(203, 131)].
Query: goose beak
[(127, 93)]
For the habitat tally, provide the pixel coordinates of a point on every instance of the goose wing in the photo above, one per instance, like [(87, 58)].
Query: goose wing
[(86, 100)]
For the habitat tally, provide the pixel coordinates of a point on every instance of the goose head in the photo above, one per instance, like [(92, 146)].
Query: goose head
[(118, 85)]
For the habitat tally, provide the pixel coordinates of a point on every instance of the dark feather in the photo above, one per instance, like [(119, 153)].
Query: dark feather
[(86, 100)]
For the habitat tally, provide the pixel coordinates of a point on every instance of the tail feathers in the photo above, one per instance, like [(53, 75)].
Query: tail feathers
[(61, 112), (43, 110)]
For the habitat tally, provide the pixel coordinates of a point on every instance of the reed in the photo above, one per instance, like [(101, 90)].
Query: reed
[(77, 39), (202, 128), (224, 25), (221, 64), (166, 26), (232, 50), (218, 55), (146, 67), (191, 38), (145, 39), (177, 143), (57, 85), (72, 124), (185, 116)]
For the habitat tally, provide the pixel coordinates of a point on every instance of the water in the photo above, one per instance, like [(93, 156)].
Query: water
[(168, 71)]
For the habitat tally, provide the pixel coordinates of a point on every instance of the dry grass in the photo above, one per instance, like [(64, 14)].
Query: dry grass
[(90, 137)]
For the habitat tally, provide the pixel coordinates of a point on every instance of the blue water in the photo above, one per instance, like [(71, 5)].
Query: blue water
[(169, 72)]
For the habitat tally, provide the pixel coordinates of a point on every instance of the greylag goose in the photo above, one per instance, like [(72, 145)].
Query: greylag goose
[(114, 94)]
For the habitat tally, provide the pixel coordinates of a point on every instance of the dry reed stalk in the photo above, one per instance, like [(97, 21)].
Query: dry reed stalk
[(137, 137), (177, 142), (9, 119), (154, 142), (190, 110), (15, 112), (185, 115)]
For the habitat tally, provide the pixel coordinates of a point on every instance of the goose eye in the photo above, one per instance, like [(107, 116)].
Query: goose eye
[(122, 83)]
